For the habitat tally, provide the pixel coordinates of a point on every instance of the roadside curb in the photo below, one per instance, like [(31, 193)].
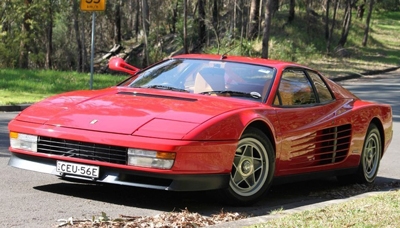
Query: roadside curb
[(13, 108), (366, 73)]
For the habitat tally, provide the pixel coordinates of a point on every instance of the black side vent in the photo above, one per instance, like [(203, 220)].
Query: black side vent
[(335, 144), (84, 150)]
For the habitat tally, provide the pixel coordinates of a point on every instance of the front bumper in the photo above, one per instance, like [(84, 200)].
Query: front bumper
[(173, 182)]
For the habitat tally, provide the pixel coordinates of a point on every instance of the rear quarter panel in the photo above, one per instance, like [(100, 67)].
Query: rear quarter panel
[(367, 112)]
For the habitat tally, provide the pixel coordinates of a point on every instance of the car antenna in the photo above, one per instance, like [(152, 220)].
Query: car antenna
[(225, 55)]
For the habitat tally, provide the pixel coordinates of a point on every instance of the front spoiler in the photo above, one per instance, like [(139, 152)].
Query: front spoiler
[(181, 182)]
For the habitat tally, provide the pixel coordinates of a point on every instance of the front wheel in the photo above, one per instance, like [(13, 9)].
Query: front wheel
[(252, 169)]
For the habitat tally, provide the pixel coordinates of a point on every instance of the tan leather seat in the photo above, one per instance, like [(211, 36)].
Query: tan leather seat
[(209, 79)]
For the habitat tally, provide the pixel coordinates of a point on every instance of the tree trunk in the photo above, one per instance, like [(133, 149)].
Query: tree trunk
[(328, 45), (117, 22), (360, 10), (25, 30), (49, 33), (308, 17), (365, 40), (327, 6), (79, 51), (146, 24), (174, 18), (253, 20), (215, 14), (274, 7), (291, 11), (85, 55), (346, 24), (137, 19), (234, 19), (202, 24), (146, 17), (185, 44), (267, 28)]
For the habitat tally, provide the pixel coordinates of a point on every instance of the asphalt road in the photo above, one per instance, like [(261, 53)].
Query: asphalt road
[(30, 199)]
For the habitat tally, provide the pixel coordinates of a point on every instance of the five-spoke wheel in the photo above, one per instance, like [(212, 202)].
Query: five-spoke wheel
[(252, 169), (370, 159), (371, 155)]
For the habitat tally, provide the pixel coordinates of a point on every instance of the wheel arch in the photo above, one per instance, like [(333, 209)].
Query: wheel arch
[(262, 126), (379, 125)]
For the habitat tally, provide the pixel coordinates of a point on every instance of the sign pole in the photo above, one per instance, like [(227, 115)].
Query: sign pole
[(92, 5), (92, 50)]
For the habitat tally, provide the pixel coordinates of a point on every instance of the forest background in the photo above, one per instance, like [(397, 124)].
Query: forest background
[(56, 34)]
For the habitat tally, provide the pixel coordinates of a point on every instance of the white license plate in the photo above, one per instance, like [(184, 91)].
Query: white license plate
[(78, 169)]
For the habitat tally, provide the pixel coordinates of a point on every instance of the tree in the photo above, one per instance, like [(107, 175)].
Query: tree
[(366, 31), (267, 28), (174, 18), (346, 22), (327, 6), (146, 29), (117, 22), (145, 17), (215, 14), (26, 34), (137, 19), (329, 40), (254, 19), (291, 10), (79, 46), (185, 44), (49, 34), (202, 24)]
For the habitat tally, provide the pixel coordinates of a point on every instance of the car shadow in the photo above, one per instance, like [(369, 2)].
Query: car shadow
[(279, 197)]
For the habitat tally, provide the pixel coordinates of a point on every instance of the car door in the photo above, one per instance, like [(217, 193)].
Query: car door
[(306, 110)]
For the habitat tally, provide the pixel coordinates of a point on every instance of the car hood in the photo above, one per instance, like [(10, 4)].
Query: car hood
[(130, 111)]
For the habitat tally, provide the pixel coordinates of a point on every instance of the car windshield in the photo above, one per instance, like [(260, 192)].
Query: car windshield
[(208, 77)]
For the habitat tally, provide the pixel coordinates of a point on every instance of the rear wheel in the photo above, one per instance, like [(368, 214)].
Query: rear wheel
[(370, 158), (252, 170)]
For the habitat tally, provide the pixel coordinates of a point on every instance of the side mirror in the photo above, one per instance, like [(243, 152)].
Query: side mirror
[(118, 64)]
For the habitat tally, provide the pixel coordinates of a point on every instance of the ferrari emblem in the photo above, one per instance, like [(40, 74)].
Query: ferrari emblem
[(93, 121)]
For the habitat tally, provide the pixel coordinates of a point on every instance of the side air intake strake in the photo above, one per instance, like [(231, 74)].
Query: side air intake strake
[(327, 146)]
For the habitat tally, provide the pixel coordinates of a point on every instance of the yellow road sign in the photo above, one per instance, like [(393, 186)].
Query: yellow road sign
[(93, 5)]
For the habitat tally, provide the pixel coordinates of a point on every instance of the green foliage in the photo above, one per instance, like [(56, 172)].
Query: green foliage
[(27, 86), (301, 40), (388, 5)]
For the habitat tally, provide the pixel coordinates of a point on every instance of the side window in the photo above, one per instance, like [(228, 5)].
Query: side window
[(323, 92), (294, 89)]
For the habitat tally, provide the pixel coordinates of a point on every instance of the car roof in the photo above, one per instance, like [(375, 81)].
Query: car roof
[(243, 59)]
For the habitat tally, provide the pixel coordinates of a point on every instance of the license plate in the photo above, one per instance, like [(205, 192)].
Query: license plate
[(78, 169)]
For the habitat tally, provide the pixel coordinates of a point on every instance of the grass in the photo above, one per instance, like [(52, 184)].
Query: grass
[(382, 50), (380, 210), (29, 86)]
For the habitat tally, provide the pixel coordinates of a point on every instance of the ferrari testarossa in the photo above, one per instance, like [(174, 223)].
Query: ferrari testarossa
[(205, 122)]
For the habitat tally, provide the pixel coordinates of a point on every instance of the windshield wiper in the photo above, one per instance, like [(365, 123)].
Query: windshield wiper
[(166, 88), (254, 95)]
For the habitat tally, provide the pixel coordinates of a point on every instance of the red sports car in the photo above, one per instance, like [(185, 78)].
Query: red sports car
[(203, 122)]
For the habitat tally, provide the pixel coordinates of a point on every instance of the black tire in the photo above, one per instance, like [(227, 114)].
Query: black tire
[(252, 170), (370, 159)]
